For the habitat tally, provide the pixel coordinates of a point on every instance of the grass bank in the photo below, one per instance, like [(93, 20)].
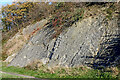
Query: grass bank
[(79, 72)]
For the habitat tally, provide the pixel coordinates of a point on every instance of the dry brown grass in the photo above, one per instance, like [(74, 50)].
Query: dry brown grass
[(14, 44), (115, 70)]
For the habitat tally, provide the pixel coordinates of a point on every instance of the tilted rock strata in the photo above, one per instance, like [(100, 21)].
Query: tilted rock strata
[(73, 47)]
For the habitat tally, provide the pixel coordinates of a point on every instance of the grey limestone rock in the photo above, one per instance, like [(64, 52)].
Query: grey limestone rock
[(71, 48)]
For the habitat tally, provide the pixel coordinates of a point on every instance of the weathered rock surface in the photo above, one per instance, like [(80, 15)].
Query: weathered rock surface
[(73, 47), (14, 45)]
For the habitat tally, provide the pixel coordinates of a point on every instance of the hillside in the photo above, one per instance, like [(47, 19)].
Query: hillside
[(70, 37)]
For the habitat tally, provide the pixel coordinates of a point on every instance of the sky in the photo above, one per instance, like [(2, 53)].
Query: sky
[(5, 2)]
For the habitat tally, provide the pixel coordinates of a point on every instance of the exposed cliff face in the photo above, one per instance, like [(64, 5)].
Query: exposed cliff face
[(14, 44), (76, 46)]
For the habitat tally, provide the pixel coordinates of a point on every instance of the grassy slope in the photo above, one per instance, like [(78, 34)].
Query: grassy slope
[(81, 72)]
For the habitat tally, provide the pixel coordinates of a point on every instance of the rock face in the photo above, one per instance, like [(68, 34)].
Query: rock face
[(74, 47), (14, 44)]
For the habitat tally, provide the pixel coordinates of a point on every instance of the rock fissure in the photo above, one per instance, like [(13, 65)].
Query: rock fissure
[(55, 46)]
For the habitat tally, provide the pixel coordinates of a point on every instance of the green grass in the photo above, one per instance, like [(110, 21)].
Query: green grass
[(23, 71), (59, 73)]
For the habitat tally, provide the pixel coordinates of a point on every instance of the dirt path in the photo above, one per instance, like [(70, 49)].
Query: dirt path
[(17, 74)]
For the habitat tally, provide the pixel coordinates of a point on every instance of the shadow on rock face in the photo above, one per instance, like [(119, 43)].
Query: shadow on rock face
[(108, 56), (109, 52)]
